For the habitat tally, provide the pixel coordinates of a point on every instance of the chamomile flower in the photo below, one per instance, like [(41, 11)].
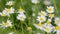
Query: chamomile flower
[(50, 9), (46, 2), (35, 1), (9, 10), (20, 10), (42, 13), (41, 18), (39, 26), (10, 3), (21, 17), (6, 24), (51, 15), (56, 28), (2, 13), (11, 33), (48, 29), (57, 21)]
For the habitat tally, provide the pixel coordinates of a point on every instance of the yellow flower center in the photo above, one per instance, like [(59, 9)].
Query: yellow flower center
[(51, 15), (21, 17), (8, 10), (40, 24), (49, 9), (56, 21), (3, 15), (57, 28), (47, 29), (41, 19), (6, 24), (21, 10), (29, 28), (42, 13)]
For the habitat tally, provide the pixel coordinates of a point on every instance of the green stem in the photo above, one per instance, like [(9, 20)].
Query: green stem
[(22, 27)]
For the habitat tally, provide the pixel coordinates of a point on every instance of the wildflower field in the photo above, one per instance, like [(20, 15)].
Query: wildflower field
[(29, 16)]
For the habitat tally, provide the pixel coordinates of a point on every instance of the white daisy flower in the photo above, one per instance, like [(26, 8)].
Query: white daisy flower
[(56, 28), (41, 18), (20, 10), (46, 2), (50, 9), (57, 21), (11, 33), (21, 17), (6, 24), (42, 13), (48, 29), (9, 10), (51, 15), (2, 14), (35, 1), (10, 3), (39, 26)]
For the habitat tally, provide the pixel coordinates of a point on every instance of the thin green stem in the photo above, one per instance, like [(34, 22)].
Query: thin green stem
[(22, 27)]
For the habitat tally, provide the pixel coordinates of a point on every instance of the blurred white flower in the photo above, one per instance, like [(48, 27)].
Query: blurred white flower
[(48, 29), (11, 33), (50, 9), (41, 18), (57, 21), (51, 15), (21, 17), (46, 2), (56, 28), (2, 13), (42, 13), (9, 10), (20, 10), (10, 3), (35, 1), (6, 24), (39, 26)]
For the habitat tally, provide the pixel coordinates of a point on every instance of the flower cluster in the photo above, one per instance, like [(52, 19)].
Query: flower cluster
[(46, 19), (7, 12), (24, 21), (21, 16)]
